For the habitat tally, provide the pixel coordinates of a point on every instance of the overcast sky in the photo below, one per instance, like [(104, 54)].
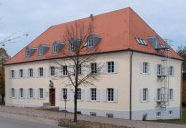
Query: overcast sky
[(17, 17)]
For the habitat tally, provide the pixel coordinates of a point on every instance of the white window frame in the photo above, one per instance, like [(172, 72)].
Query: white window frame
[(31, 72), (41, 71), (21, 93), (111, 67), (145, 67), (171, 94), (158, 94), (52, 71), (12, 92), (159, 69), (93, 67), (65, 92), (145, 95), (55, 48), (110, 94), (21, 73), (31, 92), (93, 94), (41, 93), (79, 94), (65, 70), (171, 71), (12, 73), (90, 43)]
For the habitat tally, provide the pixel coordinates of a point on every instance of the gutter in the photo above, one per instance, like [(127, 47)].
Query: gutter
[(130, 112)]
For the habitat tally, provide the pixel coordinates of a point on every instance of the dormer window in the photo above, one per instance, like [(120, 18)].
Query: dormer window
[(93, 40), (29, 51), (141, 41), (58, 46), (73, 44), (43, 49)]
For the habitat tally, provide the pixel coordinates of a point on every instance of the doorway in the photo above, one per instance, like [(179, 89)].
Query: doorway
[(52, 98)]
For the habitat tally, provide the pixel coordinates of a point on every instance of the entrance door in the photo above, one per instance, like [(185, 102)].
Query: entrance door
[(52, 96)]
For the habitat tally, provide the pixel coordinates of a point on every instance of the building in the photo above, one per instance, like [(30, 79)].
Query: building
[(141, 77)]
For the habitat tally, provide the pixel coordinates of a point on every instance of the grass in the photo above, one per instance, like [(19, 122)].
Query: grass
[(176, 121)]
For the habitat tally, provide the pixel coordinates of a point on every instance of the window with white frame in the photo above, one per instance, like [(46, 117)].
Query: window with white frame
[(93, 67), (21, 93), (65, 72), (12, 92), (31, 93), (41, 94), (31, 72), (159, 69), (41, 71), (90, 43), (158, 114), (171, 70), (93, 94), (12, 73), (110, 67), (79, 94), (21, 73), (145, 67), (55, 48), (110, 94), (52, 70), (145, 94), (65, 93), (171, 93), (158, 94)]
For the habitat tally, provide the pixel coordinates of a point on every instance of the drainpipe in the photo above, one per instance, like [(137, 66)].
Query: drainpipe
[(131, 56), (181, 91)]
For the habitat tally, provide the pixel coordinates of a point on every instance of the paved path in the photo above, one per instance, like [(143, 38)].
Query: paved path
[(20, 121), (50, 115)]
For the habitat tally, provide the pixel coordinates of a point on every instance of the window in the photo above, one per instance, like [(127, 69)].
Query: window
[(110, 94), (92, 114), (110, 66), (145, 94), (55, 48), (41, 93), (31, 92), (12, 74), (79, 94), (52, 71), (141, 41), (171, 70), (40, 50), (145, 67), (21, 73), (158, 114), (159, 69), (171, 94), (31, 74), (158, 94), (79, 69), (65, 93), (93, 67), (12, 92), (41, 71), (65, 72), (170, 112), (110, 115), (90, 43), (93, 94), (21, 92)]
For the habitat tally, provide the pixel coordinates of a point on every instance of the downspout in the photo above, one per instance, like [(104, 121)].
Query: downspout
[(131, 56), (181, 91)]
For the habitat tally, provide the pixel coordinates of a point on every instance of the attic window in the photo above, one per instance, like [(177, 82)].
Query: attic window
[(73, 44), (43, 49), (93, 40), (141, 41), (57, 46), (29, 51)]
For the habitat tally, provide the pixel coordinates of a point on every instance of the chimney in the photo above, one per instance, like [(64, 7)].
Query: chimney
[(91, 17)]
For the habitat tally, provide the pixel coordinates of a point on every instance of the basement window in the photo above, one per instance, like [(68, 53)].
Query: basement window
[(92, 114), (110, 115), (141, 41)]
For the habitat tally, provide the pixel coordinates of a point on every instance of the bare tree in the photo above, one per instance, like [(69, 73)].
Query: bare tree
[(76, 68), (182, 52)]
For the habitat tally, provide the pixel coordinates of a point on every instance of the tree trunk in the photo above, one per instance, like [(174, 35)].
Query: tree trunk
[(75, 105)]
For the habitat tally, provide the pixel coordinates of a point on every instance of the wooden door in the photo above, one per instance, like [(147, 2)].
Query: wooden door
[(52, 98)]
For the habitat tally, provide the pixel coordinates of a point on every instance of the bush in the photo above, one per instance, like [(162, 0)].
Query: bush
[(86, 124)]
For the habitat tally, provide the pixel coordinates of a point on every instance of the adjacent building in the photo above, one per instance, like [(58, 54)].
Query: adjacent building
[(140, 78)]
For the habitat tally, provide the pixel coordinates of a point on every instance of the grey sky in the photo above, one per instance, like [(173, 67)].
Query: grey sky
[(167, 17)]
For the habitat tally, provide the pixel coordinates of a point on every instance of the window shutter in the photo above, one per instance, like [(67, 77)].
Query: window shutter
[(16, 93), (48, 71), (141, 95), (45, 93), (10, 93), (28, 94), (56, 71), (10, 74), (173, 98), (148, 95), (141, 67), (24, 93), (149, 68), (68, 94), (97, 95), (24, 73), (115, 95), (28, 73), (82, 94), (61, 94), (38, 93), (34, 93), (88, 94), (16, 75), (116, 67), (44, 72), (104, 68), (104, 95)]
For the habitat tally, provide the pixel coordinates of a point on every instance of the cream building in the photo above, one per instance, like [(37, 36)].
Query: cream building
[(140, 76)]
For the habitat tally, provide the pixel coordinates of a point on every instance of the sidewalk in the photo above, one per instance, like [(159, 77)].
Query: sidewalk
[(51, 115)]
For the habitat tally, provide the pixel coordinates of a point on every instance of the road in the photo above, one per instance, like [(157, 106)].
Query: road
[(9, 122)]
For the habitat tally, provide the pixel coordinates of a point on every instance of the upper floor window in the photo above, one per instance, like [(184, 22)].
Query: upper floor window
[(79, 94), (145, 67), (58, 46), (171, 94), (159, 69), (52, 70), (31, 92), (110, 94), (93, 94), (12, 92), (158, 94), (110, 67), (41, 71), (12, 74), (21, 95), (65, 72), (171, 70), (65, 93), (90, 43), (31, 72), (141, 41), (21, 73), (55, 48), (93, 67), (41, 94)]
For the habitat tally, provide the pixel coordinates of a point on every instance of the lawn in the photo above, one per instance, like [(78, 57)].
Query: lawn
[(176, 121)]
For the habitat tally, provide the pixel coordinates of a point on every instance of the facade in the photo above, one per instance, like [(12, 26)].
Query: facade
[(140, 76)]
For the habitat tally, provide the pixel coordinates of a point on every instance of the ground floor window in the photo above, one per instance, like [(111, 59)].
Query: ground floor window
[(65, 93), (31, 95), (145, 94), (93, 94), (171, 94), (110, 94), (12, 92), (41, 93), (79, 94), (21, 93)]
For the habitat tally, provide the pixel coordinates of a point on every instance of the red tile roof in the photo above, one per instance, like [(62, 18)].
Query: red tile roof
[(118, 30)]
